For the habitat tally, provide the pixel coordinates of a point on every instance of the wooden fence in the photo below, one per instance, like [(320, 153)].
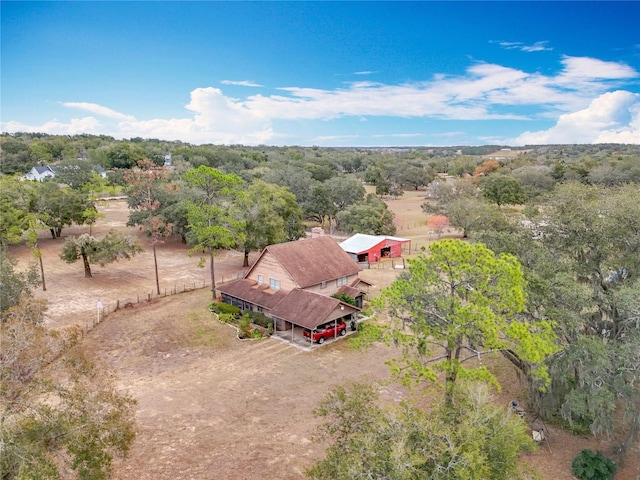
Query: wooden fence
[(105, 308)]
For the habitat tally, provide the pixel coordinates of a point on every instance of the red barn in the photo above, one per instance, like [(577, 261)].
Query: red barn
[(373, 248)]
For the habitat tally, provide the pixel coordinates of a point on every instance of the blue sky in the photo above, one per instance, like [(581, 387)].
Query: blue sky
[(325, 73)]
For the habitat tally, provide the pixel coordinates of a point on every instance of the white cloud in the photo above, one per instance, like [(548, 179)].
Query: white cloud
[(576, 68), (98, 110), (75, 126), (536, 47), (485, 92), (216, 119), (242, 83), (613, 117), (398, 135)]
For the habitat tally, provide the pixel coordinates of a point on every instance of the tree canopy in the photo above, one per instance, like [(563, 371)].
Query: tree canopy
[(271, 215), (52, 424), (475, 440), (455, 305), (111, 248), (211, 221), (579, 250)]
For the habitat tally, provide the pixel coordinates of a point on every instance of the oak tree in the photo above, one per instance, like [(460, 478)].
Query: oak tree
[(111, 248), (271, 215)]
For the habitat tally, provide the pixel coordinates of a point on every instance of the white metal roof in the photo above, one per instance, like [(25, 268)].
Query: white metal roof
[(361, 242)]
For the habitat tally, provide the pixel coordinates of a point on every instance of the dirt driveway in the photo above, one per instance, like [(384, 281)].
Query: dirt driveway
[(213, 407)]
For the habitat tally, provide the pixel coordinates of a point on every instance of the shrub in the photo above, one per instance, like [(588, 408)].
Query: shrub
[(221, 307), (261, 319), (244, 327), (589, 465), (343, 297), (227, 318)]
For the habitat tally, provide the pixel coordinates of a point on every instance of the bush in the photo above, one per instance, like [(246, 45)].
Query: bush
[(260, 319), (221, 307), (244, 327), (589, 465), (343, 297), (227, 318)]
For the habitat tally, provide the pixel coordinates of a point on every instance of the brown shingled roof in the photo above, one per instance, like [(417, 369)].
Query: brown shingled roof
[(313, 260), (349, 291), (308, 309), (250, 291)]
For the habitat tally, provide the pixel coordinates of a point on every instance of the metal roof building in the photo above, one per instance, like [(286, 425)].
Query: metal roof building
[(373, 248)]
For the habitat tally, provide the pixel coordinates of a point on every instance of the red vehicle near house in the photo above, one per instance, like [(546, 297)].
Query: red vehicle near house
[(326, 331)]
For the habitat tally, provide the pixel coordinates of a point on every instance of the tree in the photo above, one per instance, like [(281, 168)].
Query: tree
[(585, 269), (579, 253), (298, 180), (124, 155), (437, 224), (444, 192), (472, 216), (486, 167), (15, 204), (535, 179), (503, 189), (271, 215), (14, 284), (74, 173), (413, 176), (474, 441), (457, 304), (590, 465), (16, 155), (143, 183), (111, 248), (371, 216), (333, 196), (58, 207), (59, 411), (212, 225)]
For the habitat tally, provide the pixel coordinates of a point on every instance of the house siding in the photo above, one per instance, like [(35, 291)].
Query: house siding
[(332, 286), (269, 267)]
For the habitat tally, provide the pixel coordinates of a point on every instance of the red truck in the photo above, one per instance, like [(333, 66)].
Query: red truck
[(326, 331)]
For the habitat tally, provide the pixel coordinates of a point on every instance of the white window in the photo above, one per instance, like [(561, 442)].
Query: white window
[(260, 279), (341, 281), (274, 284), (324, 285)]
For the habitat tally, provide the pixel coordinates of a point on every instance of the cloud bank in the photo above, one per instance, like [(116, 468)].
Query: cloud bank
[(584, 98), (613, 117)]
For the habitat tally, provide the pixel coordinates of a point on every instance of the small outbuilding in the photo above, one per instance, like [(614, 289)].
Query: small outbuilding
[(373, 248)]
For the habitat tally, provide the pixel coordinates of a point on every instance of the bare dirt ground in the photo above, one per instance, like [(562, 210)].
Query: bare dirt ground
[(211, 406)]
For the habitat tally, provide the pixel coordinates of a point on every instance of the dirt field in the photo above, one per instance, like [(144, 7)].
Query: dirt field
[(211, 406)]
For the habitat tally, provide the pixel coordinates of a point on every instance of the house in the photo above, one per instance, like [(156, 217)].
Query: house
[(40, 174), (373, 248), (293, 284)]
